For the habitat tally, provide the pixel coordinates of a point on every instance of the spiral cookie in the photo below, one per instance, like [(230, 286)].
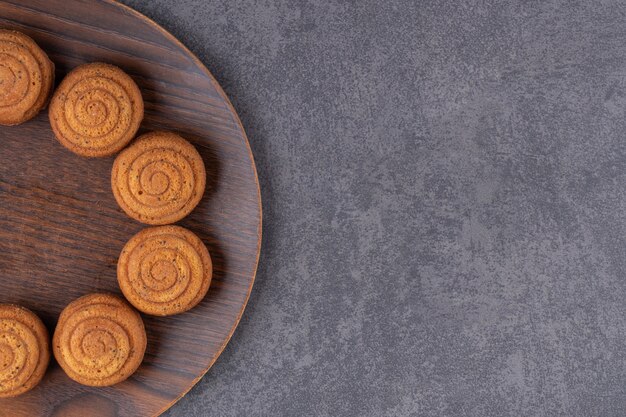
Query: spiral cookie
[(99, 340), (164, 270), (26, 78), (96, 110), (24, 350), (159, 179)]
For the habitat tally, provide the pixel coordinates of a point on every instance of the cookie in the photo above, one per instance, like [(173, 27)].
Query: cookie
[(96, 110), (24, 350), (164, 270), (159, 179), (26, 78), (99, 340)]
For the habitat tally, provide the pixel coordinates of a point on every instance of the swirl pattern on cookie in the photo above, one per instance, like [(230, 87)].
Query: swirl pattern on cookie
[(164, 270), (159, 179), (99, 340), (96, 110), (26, 78), (24, 350)]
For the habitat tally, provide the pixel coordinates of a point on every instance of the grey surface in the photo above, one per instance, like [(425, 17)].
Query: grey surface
[(444, 197)]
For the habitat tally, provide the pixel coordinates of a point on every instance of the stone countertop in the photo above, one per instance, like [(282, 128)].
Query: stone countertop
[(444, 211)]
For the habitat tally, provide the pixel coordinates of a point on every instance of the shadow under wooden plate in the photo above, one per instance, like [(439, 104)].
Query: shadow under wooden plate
[(61, 231)]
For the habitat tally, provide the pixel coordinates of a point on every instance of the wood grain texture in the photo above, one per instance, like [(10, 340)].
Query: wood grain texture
[(61, 231)]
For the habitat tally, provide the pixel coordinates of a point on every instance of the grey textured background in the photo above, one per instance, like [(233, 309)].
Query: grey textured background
[(443, 187)]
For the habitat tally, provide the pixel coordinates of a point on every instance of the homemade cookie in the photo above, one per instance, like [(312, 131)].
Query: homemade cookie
[(24, 350), (26, 78), (159, 179), (99, 340), (96, 110), (164, 270)]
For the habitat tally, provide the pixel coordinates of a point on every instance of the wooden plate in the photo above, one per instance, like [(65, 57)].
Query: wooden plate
[(61, 231)]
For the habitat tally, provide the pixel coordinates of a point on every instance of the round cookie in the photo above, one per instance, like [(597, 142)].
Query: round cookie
[(164, 270), (99, 340), (24, 350), (159, 179), (96, 111), (26, 78)]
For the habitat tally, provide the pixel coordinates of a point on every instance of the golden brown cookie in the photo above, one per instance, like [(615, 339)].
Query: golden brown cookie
[(164, 270), (24, 350), (26, 78), (96, 110), (99, 340), (159, 179)]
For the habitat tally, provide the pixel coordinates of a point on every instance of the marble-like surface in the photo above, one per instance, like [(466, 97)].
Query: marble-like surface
[(444, 205)]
